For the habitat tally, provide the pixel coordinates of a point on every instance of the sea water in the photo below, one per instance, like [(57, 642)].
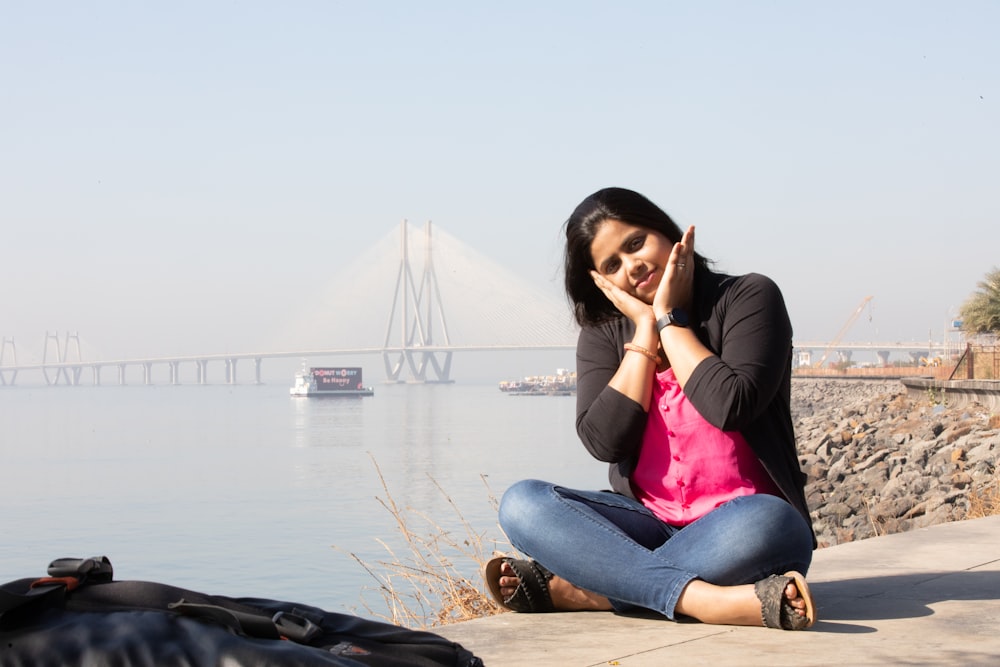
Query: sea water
[(245, 491)]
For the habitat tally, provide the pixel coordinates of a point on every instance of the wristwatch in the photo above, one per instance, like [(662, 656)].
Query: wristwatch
[(675, 317)]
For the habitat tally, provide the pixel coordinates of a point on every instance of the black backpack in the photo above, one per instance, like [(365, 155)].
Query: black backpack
[(79, 616)]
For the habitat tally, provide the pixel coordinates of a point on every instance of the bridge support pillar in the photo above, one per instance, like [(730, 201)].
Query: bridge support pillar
[(202, 371), (256, 370), (883, 357), (97, 374), (175, 372), (231, 371), (418, 363), (147, 373), (915, 356), (3, 350), (49, 337), (844, 356), (121, 374)]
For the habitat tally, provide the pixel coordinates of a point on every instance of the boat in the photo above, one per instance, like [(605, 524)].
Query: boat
[(563, 383), (333, 381)]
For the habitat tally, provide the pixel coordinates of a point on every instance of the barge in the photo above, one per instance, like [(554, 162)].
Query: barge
[(563, 383)]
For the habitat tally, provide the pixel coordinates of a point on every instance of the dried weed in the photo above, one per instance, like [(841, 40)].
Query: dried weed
[(985, 501), (423, 587)]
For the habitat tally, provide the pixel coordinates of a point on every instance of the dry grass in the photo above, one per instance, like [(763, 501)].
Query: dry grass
[(423, 587), (985, 501)]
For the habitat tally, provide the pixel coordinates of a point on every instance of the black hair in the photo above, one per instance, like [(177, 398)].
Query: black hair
[(590, 306)]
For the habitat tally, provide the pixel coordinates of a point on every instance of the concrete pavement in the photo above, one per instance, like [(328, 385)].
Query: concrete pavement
[(926, 597)]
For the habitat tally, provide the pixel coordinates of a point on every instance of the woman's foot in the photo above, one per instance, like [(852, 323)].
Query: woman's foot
[(743, 605), (565, 596)]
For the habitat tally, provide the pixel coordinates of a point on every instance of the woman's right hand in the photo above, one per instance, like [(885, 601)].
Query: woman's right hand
[(634, 377), (630, 306)]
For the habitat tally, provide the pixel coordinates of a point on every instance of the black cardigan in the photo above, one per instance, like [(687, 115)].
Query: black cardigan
[(745, 386)]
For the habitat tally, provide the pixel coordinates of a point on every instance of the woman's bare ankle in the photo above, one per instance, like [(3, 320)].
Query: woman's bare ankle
[(720, 605), (567, 597)]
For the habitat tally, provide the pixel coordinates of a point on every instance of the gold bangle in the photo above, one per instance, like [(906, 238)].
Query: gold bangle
[(632, 347)]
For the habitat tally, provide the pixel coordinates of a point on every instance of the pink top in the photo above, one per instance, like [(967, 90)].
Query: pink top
[(687, 467)]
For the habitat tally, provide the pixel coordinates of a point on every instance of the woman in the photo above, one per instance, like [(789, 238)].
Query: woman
[(683, 387)]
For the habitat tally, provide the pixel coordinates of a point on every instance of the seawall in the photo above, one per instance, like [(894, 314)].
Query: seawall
[(886, 457)]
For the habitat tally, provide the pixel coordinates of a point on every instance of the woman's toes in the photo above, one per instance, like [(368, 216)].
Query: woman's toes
[(794, 599), (509, 583), (508, 580)]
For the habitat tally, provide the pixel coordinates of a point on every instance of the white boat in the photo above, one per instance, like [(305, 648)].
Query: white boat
[(338, 381)]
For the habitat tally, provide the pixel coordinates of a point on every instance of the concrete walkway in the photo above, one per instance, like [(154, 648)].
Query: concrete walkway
[(926, 597)]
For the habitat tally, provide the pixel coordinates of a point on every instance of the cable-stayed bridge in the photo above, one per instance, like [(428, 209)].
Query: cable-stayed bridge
[(426, 276), (443, 298)]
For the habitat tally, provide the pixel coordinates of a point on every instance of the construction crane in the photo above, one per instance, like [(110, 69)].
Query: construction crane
[(843, 330)]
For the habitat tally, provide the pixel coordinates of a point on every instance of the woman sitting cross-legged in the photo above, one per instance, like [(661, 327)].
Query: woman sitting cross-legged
[(683, 387)]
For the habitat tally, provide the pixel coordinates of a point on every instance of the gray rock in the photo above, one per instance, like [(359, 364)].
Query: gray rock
[(879, 461)]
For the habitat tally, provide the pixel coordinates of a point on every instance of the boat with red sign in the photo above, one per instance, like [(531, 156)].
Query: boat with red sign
[(330, 381)]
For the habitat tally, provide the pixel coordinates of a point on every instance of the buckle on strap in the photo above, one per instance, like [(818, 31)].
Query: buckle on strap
[(71, 572), (294, 627), (97, 568)]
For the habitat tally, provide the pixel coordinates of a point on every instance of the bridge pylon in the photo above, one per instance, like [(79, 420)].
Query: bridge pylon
[(71, 375), (3, 350), (418, 306)]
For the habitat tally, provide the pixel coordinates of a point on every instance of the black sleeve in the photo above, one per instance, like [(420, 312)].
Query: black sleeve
[(752, 338), (609, 423)]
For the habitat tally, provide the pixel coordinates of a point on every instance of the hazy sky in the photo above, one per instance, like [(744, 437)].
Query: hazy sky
[(186, 177)]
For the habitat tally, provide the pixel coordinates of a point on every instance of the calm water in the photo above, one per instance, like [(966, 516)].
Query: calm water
[(244, 491)]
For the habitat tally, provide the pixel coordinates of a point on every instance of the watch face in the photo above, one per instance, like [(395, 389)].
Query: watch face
[(675, 316)]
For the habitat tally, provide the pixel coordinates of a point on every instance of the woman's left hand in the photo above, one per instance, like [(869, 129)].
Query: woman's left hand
[(677, 286)]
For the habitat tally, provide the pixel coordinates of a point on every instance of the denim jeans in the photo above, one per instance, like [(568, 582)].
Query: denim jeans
[(612, 545)]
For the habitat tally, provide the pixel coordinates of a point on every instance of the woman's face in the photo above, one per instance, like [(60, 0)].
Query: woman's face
[(633, 258)]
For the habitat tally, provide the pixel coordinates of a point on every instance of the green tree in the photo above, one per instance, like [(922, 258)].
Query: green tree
[(981, 312)]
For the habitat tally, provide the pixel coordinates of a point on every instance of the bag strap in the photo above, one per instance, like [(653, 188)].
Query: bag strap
[(19, 593), (69, 574), (65, 574), (243, 619), (282, 625)]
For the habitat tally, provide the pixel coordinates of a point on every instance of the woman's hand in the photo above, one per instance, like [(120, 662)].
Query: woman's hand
[(676, 290), (677, 286), (634, 377), (630, 306)]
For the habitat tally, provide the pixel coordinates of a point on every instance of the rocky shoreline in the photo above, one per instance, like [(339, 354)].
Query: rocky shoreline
[(880, 461)]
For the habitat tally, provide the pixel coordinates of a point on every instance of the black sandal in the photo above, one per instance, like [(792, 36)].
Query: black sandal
[(532, 593), (774, 608)]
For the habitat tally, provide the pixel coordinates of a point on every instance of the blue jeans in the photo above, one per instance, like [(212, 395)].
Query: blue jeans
[(612, 545)]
